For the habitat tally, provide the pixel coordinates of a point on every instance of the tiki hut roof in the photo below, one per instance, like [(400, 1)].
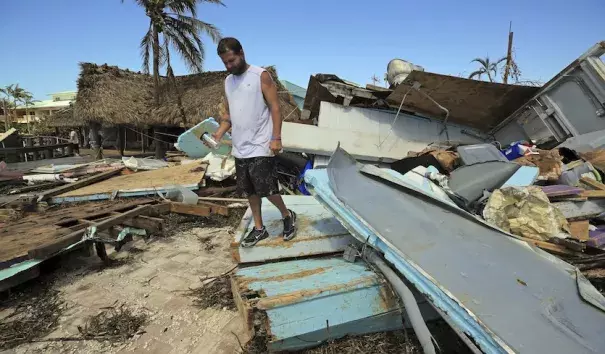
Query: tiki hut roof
[(63, 118), (111, 95)]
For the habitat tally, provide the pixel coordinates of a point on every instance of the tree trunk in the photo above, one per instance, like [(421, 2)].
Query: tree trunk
[(160, 152), (96, 141), (121, 141), (156, 67), (509, 57), (27, 118), (5, 111)]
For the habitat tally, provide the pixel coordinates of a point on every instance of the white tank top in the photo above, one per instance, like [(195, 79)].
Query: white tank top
[(251, 124)]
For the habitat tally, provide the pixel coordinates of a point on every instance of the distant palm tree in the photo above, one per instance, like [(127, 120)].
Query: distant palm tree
[(486, 67), (173, 23), (14, 94), (28, 100)]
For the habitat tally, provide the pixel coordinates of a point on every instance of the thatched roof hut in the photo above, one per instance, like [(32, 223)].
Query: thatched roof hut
[(111, 95)]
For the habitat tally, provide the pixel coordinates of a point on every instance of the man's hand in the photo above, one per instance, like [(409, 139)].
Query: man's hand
[(275, 146)]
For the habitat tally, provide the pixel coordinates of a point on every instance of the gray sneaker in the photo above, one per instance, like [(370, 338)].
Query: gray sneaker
[(290, 226), (254, 236)]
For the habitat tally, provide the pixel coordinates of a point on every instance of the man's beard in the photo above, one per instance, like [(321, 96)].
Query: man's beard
[(240, 69)]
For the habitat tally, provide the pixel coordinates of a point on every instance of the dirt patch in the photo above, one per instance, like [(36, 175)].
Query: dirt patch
[(29, 314), (207, 243), (114, 324), (215, 294)]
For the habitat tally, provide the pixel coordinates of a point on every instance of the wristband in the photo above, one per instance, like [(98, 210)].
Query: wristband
[(275, 139)]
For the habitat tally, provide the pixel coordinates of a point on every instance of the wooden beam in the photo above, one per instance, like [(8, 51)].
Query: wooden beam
[(592, 183), (189, 209), (215, 208), (579, 230), (49, 249), (215, 199), (81, 183), (593, 194), (551, 247), (151, 224)]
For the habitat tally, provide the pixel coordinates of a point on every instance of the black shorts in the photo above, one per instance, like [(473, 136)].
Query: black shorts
[(256, 176)]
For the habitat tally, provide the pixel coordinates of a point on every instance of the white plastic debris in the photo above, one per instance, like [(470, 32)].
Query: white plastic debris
[(143, 164)]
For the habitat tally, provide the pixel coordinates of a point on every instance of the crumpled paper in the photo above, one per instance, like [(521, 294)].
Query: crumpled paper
[(527, 212)]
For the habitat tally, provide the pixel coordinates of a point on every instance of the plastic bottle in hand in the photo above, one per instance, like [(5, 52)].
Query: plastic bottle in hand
[(209, 140)]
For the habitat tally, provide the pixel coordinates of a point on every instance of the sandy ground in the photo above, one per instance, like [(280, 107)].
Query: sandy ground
[(154, 281)]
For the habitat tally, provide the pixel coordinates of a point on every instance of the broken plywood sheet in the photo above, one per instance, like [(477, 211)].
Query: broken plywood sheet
[(183, 175), (318, 232), (304, 297)]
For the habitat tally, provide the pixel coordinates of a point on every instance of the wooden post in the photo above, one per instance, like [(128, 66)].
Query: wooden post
[(96, 141), (160, 151), (509, 54), (85, 140), (121, 139), (40, 154), (48, 153), (30, 142)]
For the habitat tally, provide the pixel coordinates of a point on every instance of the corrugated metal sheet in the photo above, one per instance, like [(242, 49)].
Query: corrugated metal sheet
[(319, 232), (505, 295), (309, 301)]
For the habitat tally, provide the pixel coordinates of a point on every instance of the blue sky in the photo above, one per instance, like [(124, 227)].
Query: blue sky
[(43, 41)]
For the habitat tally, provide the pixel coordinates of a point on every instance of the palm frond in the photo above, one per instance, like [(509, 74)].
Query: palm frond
[(186, 46), (500, 61), (146, 48), (200, 26), (477, 74), (483, 61), (181, 6)]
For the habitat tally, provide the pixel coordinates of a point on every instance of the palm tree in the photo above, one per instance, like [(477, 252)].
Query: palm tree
[(6, 105), (28, 100), (487, 67), (174, 23)]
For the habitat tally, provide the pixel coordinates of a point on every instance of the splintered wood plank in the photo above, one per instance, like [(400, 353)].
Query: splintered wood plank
[(186, 175), (189, 209), (592, 183), (593, 194), (560, 190), (579, 230)]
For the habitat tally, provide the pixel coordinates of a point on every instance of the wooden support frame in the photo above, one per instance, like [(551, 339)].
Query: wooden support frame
[(102, 224)]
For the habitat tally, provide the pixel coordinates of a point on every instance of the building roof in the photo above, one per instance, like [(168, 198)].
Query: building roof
[(111, 95), (46, 104), (294, 89)]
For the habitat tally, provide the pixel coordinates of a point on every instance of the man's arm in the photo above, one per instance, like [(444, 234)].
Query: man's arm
[(225, 121), (270, 93)]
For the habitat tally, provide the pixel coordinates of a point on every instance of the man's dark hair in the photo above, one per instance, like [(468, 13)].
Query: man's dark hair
[(229, 43)]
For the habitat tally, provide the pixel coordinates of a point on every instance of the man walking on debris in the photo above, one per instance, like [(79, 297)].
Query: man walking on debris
[(252, 112)]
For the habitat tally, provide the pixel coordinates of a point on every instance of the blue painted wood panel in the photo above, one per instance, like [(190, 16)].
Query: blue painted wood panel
[(313, 300), (319, 232)]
